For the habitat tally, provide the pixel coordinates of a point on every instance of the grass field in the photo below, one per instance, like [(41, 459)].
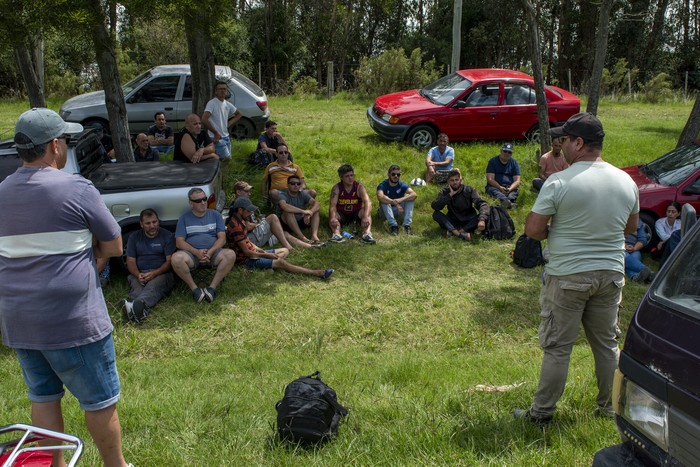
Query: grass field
[(405, 331)]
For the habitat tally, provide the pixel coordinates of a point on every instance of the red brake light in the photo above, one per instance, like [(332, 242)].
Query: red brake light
[(211, 201), (262, 105)]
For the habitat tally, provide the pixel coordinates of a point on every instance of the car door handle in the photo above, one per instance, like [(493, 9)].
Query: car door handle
[(493, 114), (168, 108)]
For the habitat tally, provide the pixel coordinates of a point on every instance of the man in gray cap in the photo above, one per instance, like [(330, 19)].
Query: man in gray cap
[(503, 177), (253, 256), (53, 226), (584, 212)]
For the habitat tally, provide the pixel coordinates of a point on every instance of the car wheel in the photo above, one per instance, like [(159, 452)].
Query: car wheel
[(242, 129), (533, 134), (97, 123), (649, 228), (422, 136)]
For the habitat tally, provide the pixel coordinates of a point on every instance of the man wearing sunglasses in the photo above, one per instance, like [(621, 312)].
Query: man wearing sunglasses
[(276, 174), (298, 210), (200, 236), (396, 199)]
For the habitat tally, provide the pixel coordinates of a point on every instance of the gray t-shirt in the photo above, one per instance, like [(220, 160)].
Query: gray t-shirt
[(50, 296), (200, 232), (301, 200), (590, 203)]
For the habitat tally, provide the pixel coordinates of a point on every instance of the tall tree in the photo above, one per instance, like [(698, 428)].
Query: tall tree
[(601, 49), (692, 127), (536, 57)]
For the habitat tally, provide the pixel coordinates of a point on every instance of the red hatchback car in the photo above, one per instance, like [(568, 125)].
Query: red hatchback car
[(469, 105), (672, 177)]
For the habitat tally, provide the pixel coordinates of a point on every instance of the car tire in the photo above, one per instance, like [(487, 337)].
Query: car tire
[(242, 129), (650, 228), (422, 136), (97, 123), (533, 134)]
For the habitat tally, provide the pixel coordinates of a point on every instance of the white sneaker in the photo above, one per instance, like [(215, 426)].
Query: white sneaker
[(272, 241), (337, 238)]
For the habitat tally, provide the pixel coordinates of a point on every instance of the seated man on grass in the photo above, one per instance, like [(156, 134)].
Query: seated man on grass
[(276, 174), (298, 210), (161, 136), (396, 199), (440, 158), (466, 211), (350, 203), (148, 254), (264, 230), (271, 139), (200, 237), (255, 257)]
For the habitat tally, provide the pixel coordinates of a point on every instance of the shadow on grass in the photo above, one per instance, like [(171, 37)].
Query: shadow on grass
[(672, 132)]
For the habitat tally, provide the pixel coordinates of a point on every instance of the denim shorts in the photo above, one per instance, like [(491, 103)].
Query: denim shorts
[(223, 148), (260, 263), (88, 371)]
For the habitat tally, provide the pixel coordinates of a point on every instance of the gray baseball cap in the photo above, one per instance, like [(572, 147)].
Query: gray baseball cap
[(244, 203), (42, 125)]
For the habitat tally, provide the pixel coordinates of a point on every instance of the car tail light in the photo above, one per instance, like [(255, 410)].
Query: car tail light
[(211, 201), (262, 105)]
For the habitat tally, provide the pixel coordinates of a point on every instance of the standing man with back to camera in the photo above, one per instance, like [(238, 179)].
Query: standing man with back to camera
[(583, 212), (53, 226)]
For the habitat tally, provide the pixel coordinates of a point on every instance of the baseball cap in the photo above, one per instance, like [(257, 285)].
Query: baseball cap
[(41, 125), (507, 148), (244, 203), (245, 186), (584, 125)]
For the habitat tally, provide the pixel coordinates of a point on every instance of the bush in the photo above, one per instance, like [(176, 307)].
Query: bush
[(66, 85), (393, 71), (305, 86), (657, 89), (615, 82)]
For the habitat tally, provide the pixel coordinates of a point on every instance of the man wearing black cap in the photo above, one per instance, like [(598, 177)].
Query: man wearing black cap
[(255, 257), (583, 212), (53, 226), (503, 177)]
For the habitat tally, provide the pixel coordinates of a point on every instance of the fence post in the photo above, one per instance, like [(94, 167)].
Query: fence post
[(629, 83), (569, 73), (260, 74), (330, 80), (685, 88)]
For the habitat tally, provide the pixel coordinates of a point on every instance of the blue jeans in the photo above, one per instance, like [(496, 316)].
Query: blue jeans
[(390, 213), (498, 194), (633, 263), (223, 148), (88, 371)]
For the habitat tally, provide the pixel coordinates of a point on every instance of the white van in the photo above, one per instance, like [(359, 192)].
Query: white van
[(168, 89)]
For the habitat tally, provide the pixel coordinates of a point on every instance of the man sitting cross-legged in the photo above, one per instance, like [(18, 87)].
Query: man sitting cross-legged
[(276, 174), (466, 211), (263, 229), (148, 254), (298, 210), (200, 237), (254, 257)]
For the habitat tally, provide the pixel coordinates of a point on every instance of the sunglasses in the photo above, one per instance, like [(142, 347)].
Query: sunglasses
[(294, 183), (396, 174), (65, 137), (200, 200)]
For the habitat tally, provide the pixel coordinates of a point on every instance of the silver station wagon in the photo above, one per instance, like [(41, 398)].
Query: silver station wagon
[(168, 88)]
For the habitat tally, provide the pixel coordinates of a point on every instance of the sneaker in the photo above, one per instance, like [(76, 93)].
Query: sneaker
[(466, 236), (367, 238), (127, 309), (337, 238), (140, 311), (326, 274), (643, 276), (272, 240), (408, 229), (198, 295), (447, 234), (394, 230), (209, 294), (525, 415), (506, 203)]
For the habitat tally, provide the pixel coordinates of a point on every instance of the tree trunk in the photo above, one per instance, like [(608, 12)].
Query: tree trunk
[(31, 66), (109, 73), (202, 66), (692, 126), (536, 56), (651, 51), (601, 49)]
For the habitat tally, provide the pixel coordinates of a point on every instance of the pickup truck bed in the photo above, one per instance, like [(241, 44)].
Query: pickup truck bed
[(144, 176)]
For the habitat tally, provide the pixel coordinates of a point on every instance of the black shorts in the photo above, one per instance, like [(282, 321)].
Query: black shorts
[(349, 218)]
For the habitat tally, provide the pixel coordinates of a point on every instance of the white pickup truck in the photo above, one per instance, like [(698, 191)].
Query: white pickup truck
[(129, 187)]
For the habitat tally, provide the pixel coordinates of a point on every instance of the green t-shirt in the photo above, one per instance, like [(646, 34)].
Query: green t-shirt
[(590, 203)]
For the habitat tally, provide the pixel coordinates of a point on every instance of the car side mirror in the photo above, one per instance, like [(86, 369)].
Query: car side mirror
[(459, 105)]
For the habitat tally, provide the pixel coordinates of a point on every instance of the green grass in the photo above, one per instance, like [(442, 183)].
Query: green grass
[(404, 331)]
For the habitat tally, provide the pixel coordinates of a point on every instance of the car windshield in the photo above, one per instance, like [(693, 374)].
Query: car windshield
[(675, 166), (446, 89), (136, 82), (680, 286)]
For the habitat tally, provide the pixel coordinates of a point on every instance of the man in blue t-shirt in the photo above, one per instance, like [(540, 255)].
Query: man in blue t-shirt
[(503, 177), (148, 254), (440, 158), (396, 199), (200, 236)]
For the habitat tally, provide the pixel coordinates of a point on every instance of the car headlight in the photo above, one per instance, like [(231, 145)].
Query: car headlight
[(64, 114), (389, 118), (647, 413)]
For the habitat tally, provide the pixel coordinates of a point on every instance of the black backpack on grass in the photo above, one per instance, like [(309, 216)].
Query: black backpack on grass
[(528, 252), (309, 412), (499, 226)]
